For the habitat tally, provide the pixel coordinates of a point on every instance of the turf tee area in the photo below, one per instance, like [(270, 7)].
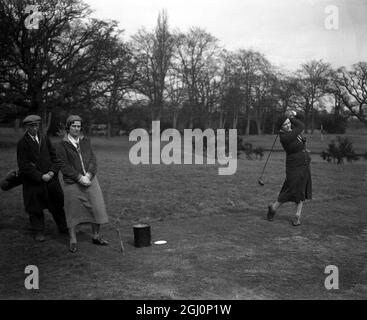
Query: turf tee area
[(219, 244)]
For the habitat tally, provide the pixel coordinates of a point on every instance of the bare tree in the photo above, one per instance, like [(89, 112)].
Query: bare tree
[(285, 91), (42, 68), (176, 95), (312, 82), (250, 78), (195, 62), (283, 96), (116, 77), (232, 95), (209, 88), (264, 100), (351, 88), (153, 51)]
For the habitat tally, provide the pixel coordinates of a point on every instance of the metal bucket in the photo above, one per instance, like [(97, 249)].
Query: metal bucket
[(142, 235)]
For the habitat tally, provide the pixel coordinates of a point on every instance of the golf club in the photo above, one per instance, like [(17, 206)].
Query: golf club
[(121, 243), (260, 181)]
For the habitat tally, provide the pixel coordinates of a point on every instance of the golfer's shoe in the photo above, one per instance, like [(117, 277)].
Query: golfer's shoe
[(271, 213), (73, 247)]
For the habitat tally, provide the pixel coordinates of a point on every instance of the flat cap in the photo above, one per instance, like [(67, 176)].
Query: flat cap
[(33, 118), (72, 118)]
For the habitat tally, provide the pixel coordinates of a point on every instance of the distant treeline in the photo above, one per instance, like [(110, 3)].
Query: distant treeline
[(71, 63)]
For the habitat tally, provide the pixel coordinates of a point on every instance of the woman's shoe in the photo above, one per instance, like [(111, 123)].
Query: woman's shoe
[(296, 223), (271, 213), (99, 241), (73, 247)]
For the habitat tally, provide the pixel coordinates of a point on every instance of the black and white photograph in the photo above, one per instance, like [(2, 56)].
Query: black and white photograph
[(198, 151)]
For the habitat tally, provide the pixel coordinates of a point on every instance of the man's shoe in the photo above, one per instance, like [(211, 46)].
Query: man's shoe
[(271, 213), (39, 237)]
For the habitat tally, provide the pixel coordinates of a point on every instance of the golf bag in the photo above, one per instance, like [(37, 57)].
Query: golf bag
[(11, 180)]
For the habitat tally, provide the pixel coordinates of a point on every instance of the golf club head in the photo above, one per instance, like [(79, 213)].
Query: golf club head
[(261, 183)]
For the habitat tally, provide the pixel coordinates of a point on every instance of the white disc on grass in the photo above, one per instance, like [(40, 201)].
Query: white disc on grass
[(160, 242)]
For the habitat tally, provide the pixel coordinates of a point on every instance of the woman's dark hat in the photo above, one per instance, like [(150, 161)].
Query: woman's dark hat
[(31, 119), (280, 122)]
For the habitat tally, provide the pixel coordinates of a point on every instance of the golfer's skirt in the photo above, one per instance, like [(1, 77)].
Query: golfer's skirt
[(84, 204), (297, 185)]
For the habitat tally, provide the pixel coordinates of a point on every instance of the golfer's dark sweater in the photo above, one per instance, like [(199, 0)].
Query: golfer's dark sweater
[(294, 145)]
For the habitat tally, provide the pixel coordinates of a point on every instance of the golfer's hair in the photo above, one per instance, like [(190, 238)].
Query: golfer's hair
[(280, 122)]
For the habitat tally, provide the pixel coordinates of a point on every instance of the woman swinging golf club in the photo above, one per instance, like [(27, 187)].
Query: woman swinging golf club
[(297, 185)]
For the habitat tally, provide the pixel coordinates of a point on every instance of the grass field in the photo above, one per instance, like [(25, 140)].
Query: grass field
[(219, 245)]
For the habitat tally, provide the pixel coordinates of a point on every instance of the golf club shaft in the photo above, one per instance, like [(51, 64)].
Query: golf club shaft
[(121, 243), (271, 150)]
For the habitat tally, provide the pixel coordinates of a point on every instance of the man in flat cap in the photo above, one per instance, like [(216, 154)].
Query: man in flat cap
[(38, 166)]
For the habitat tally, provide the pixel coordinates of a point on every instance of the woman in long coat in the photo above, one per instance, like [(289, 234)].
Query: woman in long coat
[(84, 201), (297, 186)]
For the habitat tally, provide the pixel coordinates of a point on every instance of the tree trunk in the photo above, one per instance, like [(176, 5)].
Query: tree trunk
[(191, 120), (221, 120), (337, 106), (109, 129), (16, 125), (248, 125), (306, 118), (110, 109), (234, 122), (174, 119), (46, 121), (312, 115), (208, 120), (156, 110), (258, 126), (152, 116)]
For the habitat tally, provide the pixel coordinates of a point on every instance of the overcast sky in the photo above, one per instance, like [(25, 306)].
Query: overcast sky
[(288, 32)]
